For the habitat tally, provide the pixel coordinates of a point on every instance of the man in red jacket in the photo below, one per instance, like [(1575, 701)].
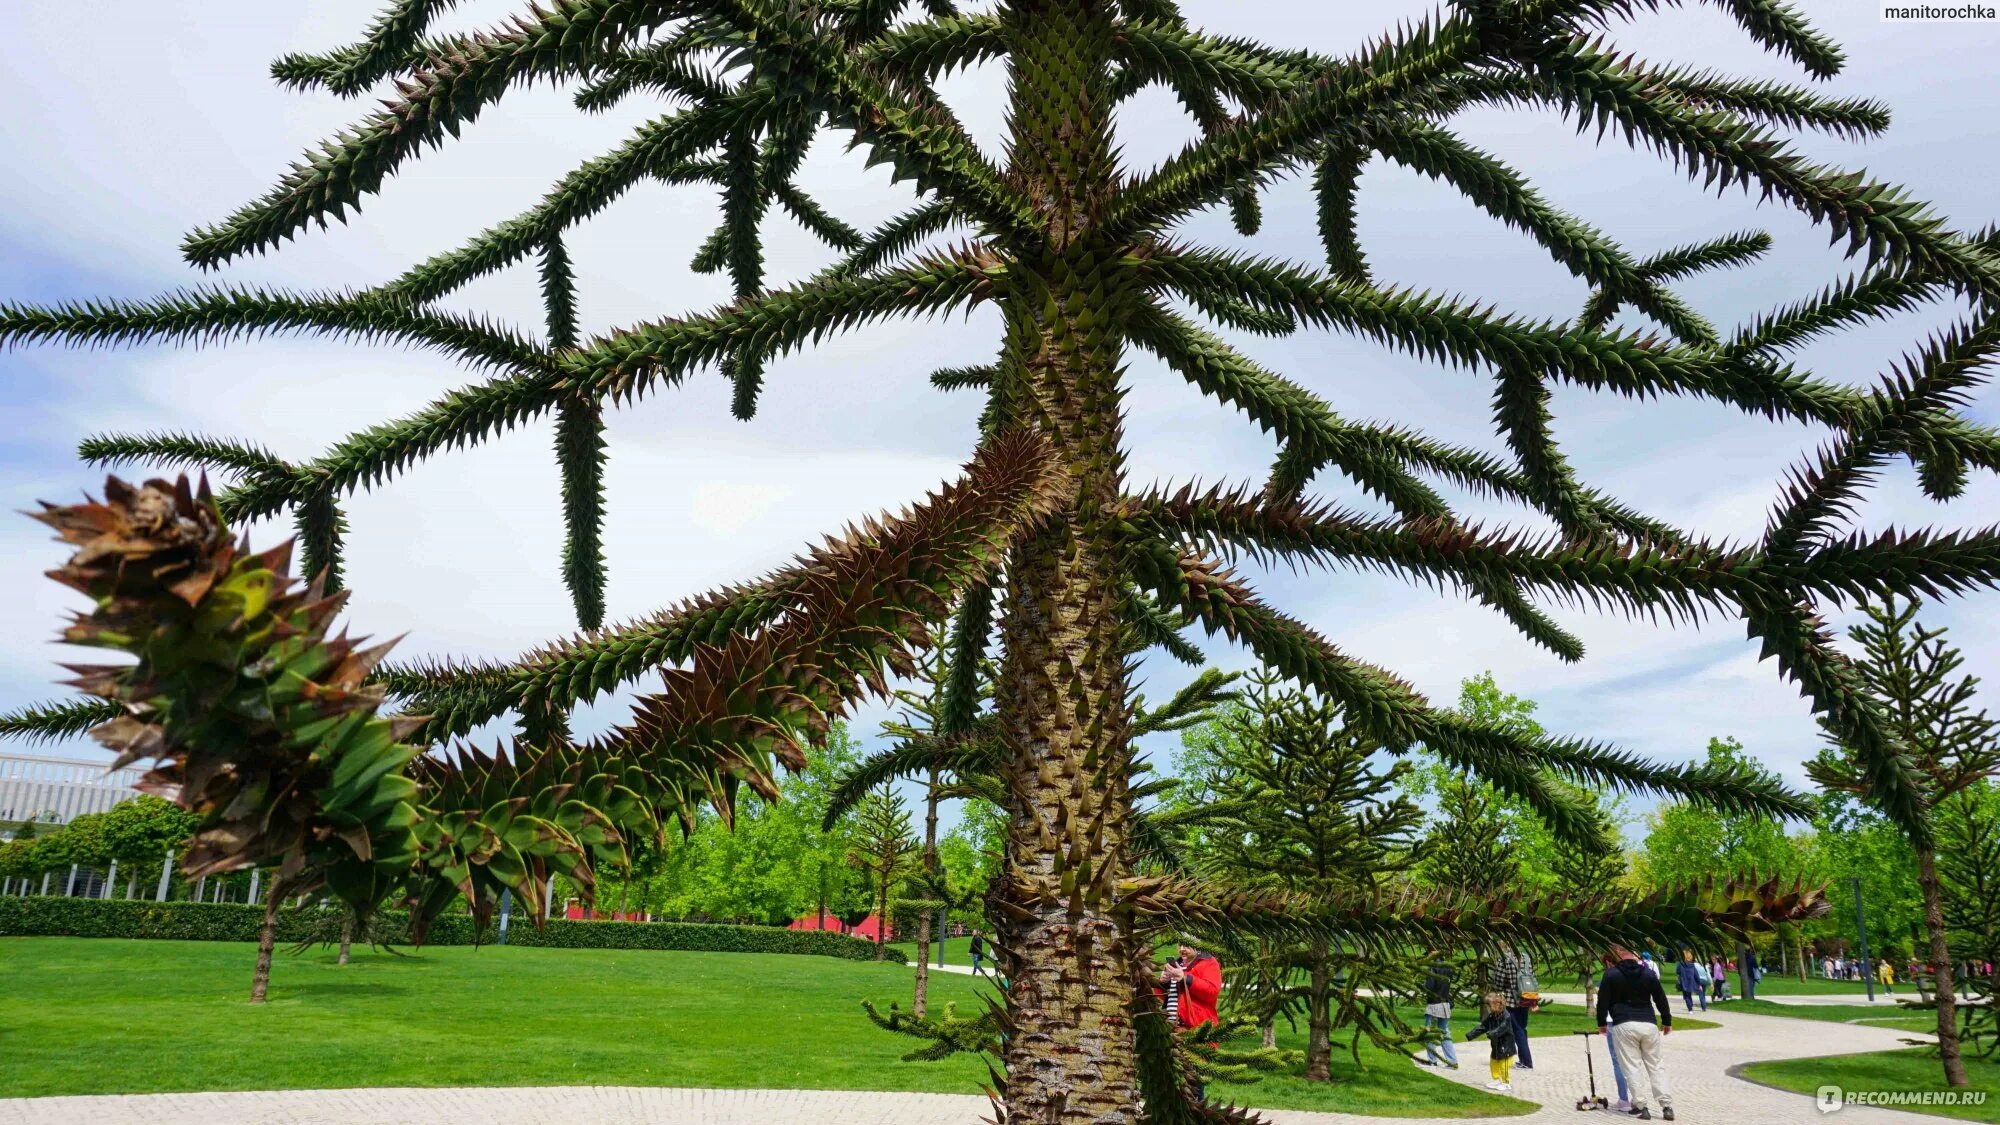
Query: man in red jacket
[(1198, 979)]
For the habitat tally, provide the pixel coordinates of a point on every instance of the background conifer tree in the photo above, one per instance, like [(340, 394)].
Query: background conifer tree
[(1913, 673), (1313, 811), (885, 851)]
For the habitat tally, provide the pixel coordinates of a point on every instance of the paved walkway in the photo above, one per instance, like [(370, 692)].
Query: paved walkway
[(1704, 1094)]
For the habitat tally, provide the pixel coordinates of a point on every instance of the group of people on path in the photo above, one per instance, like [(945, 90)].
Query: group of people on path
[(1632, 1013)]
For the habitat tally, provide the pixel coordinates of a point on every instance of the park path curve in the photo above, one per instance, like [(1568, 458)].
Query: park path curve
[(1704, 1092)]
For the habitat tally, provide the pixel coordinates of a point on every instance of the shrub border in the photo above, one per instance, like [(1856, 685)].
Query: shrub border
[(208, 921)]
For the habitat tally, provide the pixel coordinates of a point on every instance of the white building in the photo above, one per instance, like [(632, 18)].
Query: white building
[(58, 790)]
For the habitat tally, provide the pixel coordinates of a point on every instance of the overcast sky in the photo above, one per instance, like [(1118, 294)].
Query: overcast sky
[(131, 121)]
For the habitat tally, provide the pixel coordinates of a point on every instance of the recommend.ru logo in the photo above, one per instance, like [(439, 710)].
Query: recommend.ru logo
[(1831, 1098)]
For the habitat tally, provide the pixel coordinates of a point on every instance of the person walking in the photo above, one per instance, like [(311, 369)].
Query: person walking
[(1887, 975), (1624, 1102), (1513, 977), (977, 948), (1437, 1017), (1692, 979), (1629, 999), (1496, 1023), (1718, 972)]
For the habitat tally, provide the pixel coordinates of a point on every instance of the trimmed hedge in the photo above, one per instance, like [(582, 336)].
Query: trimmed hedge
[(212, 921)]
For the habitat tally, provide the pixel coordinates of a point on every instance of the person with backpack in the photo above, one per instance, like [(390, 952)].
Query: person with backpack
[(1628, 1000), (1437, 1017), (1513, 977), (1496, 1023), (977, 948), (1692, 979)]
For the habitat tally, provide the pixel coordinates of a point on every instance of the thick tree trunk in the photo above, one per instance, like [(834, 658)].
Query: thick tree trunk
[(1319, 1022), (267, 936), (1071, 963), (1947, 1005), (346, 937)]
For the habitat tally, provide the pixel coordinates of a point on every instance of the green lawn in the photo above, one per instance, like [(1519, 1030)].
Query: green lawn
[(1913, 1069), (1775, 985), (954, 951), (81, 1016), (1882, 1013)]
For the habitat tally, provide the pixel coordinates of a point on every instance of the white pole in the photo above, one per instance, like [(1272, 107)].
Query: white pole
[(110, 877), (45, 882), (549, 898), (131, 885), (201, 889), (69, 891), (166, 876), (254, 877)]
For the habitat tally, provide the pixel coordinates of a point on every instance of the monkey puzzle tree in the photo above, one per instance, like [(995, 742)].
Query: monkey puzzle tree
[(1082, 260), (884, 850), (1316, 813), (1912, 673)]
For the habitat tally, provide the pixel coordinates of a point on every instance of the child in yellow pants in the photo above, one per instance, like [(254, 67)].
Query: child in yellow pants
[(1499, 1032)]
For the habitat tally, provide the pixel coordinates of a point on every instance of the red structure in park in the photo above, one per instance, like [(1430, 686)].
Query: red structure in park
[(866, 929)]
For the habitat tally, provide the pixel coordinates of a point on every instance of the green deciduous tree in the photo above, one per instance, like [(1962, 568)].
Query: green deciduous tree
[(1943, 747), (771, 863), (146, 829), (1686, 841), (1087, 262)]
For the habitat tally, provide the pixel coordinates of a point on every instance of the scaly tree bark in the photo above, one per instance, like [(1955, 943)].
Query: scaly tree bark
[(1062, 697)]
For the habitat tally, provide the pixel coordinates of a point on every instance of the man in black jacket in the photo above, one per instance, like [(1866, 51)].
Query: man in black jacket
[(1628, 1000)]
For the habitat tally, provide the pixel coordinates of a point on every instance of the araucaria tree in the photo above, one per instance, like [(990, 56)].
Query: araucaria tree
[(885, 852), (1314, 813), (1085, 261), (1947, 748)]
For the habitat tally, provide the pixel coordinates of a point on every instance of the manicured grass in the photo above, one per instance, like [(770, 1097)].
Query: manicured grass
[(1882, 1013), (1384, 1084), (954, 951), (107, 1016), (1775, 985), (1913, 1069), (84, 1016)]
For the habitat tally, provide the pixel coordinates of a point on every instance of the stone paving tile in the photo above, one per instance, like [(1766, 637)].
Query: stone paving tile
[(1703, 1093)]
